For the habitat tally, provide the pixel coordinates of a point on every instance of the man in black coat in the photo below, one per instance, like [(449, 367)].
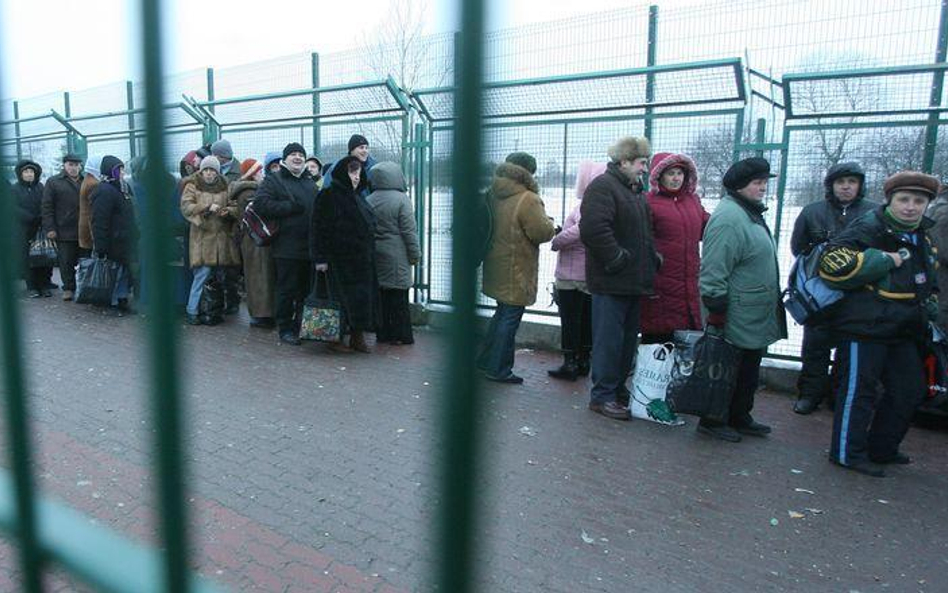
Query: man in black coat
[(286, 196), (819, 222), (616, 228), (61, 219), (28, 192)]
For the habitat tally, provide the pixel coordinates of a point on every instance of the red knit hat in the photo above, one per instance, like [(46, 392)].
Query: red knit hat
[(248, 167)]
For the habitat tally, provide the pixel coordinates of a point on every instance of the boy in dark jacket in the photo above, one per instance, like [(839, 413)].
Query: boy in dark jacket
[(886, 264), (818, 222), (616, 228)]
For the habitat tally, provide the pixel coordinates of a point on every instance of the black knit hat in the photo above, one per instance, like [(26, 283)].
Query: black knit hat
[(293, 147), (743, 172), (357, 140)]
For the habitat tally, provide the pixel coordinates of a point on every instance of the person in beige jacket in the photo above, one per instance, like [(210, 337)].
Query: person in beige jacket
[(213, 216), (520, 225)]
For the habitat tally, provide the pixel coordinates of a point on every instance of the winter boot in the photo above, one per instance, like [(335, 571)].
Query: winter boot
[(568, 370), (582, 363)]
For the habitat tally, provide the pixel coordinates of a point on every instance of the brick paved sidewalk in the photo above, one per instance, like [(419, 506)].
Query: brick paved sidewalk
[(314, 471)]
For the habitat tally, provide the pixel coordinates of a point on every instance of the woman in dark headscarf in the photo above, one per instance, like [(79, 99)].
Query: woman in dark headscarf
[(343, 246)]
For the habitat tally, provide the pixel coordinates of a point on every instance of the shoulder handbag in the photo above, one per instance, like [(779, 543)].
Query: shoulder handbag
[(322, 317)]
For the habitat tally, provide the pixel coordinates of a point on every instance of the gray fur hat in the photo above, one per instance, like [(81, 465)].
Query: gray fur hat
[(629, 148)]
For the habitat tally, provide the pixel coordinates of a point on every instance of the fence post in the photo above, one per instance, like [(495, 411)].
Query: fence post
[(738, 136), (782, 183), (761, 136), (420, 143), (165, 392), (459, 399), (211, 130), (650, 61), (563, 177), (17, 411), (938, 82), (130, 103), (16, 130), (317, 139)]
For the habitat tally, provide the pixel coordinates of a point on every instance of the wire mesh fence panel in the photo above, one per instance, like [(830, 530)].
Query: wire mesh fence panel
[(177, 144), (117, 147), (428, 62), (47, 153), (284, 73), (101, 99), (895, 92), (386, 138), (257, 143)]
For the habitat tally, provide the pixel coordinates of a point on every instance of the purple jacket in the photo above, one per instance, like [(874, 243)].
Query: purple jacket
[(571, 259)]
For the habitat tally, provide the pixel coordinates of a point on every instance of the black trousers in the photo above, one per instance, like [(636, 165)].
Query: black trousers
[(575, 307), (748, 379), (814, 380), (231, 278), (293, 282), (870, 423), (396, 318), (69, 254)]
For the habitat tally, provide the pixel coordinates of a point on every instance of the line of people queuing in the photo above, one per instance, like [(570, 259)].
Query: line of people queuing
[(354, 228), (632, 262)]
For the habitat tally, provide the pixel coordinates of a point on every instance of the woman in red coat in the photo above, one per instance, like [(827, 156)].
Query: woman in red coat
[(678, 220)]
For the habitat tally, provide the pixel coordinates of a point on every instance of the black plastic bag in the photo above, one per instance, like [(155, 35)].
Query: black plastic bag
[(703, 378), (95, 281), (43, 252), (211, 305)]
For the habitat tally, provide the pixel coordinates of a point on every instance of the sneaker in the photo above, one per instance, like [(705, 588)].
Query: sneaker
[(288, 337), (753, 429), (862, 467), (611, 410), (722, 432), (67, 295)]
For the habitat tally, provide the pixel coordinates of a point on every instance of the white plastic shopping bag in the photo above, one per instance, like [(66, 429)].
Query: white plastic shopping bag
[(653, 369)]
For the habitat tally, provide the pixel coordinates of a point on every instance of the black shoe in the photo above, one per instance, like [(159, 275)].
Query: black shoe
[(51, 286), (193, 319), (232, 310), (806, 405), (611, 410), (262, 322), (567, 371), (288, 337), (722, 432), (511, 379), (582, 364), (753, 429), (47, 293), (35, 294), (898, 459), (863, 467)]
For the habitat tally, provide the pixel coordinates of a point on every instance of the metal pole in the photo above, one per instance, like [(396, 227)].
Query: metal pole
[(212, 131), (761, 136), (420, 136), (460, 401), (17, 411), (16, 132), (130, 101), (782, 184), (165, 396), (938, 83), (563, 177), (650, 61), (317, 140), (738, 136)]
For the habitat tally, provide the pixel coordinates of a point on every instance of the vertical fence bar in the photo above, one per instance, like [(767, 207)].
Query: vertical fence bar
[(420, 212), (17, 411), (738, 136), (650, 61), (165, 394), (761, 136), (314, 67), (460, 403), (16, 130), (938, 83), (782, 183), (563, 208), (130, 102)]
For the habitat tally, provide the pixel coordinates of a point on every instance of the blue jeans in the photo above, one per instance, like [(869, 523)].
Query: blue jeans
[(615, 330), (497, 352), (200, 274), (123, 283)]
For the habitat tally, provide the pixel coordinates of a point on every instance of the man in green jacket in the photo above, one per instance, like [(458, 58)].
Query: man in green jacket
[(740, 288)]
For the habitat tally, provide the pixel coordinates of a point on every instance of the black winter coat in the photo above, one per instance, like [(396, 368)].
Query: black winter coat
[(114, 232), (892, 308), (61, 207), (616, 228), (288, 200), (343, 235), (29, 200), (821, 221)]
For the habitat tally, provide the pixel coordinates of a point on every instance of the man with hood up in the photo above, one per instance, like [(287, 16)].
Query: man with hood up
[(818, 222), (28, 192)]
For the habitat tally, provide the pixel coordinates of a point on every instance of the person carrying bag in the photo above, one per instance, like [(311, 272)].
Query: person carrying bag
[(322, 317)]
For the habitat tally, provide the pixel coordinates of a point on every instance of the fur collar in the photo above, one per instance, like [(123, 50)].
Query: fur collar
[(510, 179)]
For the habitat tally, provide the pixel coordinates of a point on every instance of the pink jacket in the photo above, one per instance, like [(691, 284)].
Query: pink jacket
[(571, 256)]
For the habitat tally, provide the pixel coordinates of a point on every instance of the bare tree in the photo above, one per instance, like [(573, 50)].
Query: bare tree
[(712, 150)]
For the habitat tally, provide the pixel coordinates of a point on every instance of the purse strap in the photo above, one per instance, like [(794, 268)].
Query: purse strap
[(325, 276)]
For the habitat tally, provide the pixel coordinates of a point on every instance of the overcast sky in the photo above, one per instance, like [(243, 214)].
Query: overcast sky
[(55, 45)]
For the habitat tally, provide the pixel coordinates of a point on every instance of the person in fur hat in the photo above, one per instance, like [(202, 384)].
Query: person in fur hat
[(621, 261), (520, 225)]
